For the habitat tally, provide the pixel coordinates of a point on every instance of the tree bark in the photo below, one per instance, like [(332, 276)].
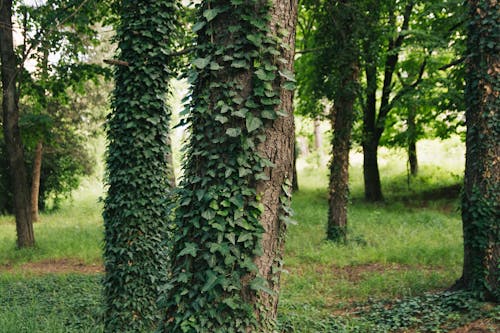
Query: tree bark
[(12, 135), (481, 195), (318, 138), (295, 182), (373, 187), (412, 142), (342, 122), (35, 181), (279, 149)]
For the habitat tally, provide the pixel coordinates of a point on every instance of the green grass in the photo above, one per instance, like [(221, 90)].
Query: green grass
[(75, 231), (405, 247)]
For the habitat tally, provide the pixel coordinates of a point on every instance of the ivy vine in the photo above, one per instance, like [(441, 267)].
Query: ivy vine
[(481, 197), (234, 96), (136, 208)]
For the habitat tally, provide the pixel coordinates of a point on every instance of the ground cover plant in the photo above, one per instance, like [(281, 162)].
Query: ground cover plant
[(390, 276)]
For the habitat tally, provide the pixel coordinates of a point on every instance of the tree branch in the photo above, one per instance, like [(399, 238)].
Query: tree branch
[(453, 63)]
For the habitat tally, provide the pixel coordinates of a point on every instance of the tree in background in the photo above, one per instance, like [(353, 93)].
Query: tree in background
[(44, 89), (481, 196), (235, 195), (12, 134), (331, 71), (136, 210)]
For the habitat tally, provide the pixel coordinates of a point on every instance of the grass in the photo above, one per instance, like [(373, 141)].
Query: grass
[(401, 249)]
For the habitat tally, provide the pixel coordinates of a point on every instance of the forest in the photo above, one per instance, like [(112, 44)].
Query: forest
[(267, 166)]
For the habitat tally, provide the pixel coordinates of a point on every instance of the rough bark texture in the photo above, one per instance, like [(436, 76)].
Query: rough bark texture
[(279, 149), (12, 135), (339, 168), (295, 182), (35, 181), (481, 197)]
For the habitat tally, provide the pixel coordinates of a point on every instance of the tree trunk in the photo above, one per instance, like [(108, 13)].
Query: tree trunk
[(412, 142), (373, 188), (235, 194), (339, 168), (481, 196), (136, 210), (35, 182), (318, 138), (12, 135), (295, 182)]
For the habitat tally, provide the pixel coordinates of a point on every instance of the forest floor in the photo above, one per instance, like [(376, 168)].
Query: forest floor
[(391, 275)]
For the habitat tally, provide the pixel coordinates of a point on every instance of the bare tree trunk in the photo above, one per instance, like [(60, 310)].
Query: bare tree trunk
[(35, 182), (295, 182), (481, 196), (15, 152), (412, 142), (339, 167), (318, 137)]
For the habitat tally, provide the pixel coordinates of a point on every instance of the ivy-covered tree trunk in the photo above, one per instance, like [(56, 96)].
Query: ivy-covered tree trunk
[(481, 196), (35, 180), (342, 119), (136, 207), (235, 193), (12, 135)]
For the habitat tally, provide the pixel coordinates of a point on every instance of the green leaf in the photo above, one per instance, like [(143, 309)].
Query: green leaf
[(210, 14), (215, 66), (289, 85), (210, 281), (252, 122), (189, 248), (233, 132), (255, 39), (201, 63), (221, 119), (198, 26), (208, 214), (287, 75)]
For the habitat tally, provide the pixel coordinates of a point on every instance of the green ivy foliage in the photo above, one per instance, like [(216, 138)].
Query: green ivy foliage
[(481, 197), (234, 96), (136, 210)]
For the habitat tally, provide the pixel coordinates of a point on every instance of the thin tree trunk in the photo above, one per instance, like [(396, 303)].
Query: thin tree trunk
[(412, 142), (373, 188), (481, 196), (295, 182), (339, 167), (318, 137), (12, 135), (35, 182)]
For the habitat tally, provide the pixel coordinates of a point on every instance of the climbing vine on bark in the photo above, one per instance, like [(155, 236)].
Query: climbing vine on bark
[(136, 207), (238, 75)]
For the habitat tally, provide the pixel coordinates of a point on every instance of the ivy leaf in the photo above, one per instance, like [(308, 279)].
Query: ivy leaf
[(198, 26), (265, 75), (289, 85), (201, 63), (239, 64), (287, 75), (233, 132), (259, 284), (208, 214), (221, 119), (210, 14), (255, 39), (214, 66), (190, 248), (211, 281), (252, 122)]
